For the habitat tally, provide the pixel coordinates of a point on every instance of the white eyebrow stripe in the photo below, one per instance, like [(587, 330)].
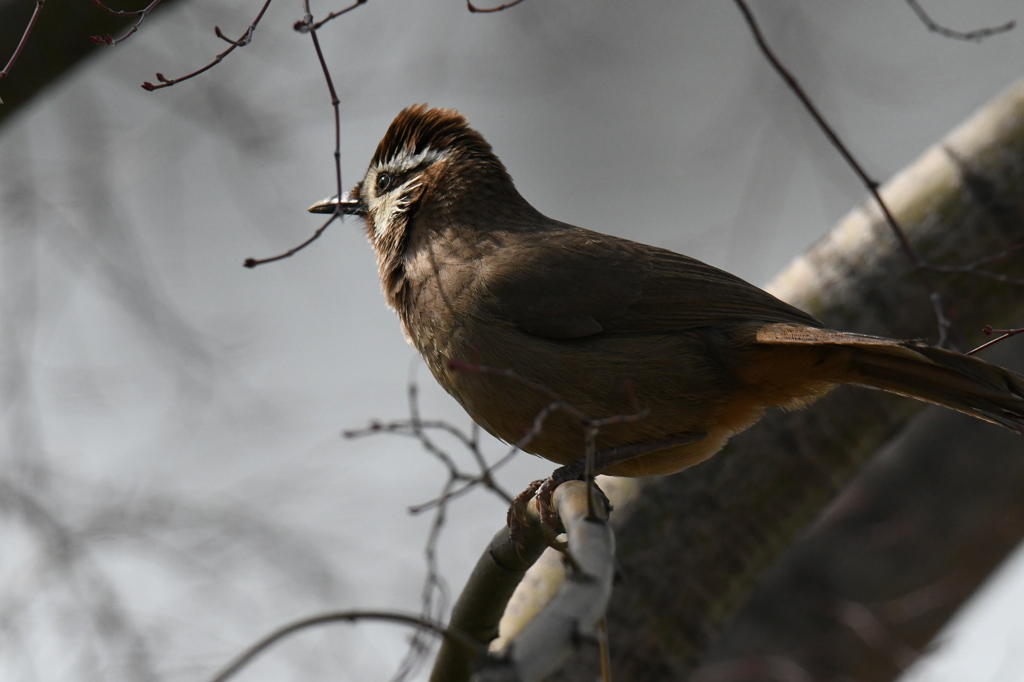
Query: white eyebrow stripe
[(406, 160)]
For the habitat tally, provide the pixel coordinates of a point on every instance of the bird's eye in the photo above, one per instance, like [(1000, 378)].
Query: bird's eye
[(384, 181)]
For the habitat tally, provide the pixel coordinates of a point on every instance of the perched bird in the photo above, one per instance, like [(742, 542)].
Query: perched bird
[(509, 307)]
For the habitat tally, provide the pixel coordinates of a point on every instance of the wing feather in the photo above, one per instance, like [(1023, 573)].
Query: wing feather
[(576, 283)]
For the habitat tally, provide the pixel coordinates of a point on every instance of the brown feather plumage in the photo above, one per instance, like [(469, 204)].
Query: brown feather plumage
[(480, 278)]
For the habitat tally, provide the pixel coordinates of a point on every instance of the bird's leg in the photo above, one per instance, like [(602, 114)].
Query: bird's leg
[(517, 519), (544, 488)]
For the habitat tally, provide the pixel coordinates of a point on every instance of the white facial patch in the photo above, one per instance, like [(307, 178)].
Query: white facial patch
[(387, 209)]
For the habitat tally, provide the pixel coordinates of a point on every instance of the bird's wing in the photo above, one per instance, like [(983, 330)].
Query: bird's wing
[(574, 283)]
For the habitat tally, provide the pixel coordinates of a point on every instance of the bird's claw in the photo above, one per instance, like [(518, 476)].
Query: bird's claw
[(519, 518)]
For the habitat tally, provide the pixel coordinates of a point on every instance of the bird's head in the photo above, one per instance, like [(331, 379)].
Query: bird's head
[(431, 165)]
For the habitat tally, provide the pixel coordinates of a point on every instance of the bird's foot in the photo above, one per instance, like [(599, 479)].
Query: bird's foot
[(542, 490), (518, 519)]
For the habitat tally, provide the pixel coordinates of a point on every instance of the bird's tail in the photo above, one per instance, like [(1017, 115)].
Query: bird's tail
[(961, 382)]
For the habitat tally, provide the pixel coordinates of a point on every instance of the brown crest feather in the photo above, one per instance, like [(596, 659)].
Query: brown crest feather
[(418, 128)]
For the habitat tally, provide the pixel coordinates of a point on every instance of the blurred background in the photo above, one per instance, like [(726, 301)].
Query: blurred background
[(174, 482)]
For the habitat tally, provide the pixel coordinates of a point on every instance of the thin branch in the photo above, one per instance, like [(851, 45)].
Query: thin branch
[(335, 102), (976, 269), (237, 43), (945, 325), (140, 13), (994, 257), (433, 585), (1003, 335), (242, 41), (246, 657), (557, 401), (985, 274), (417, 428), (976, 35), (486, 476), (405, 427), (487, 10), (591, 428), (306, 25), (24, 39), (434, 594), (303, 27), (253, 262)]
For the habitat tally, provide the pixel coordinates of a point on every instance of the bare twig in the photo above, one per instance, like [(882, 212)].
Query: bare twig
[(253, 262), (242, 41), (994, 257), (459, 482), (434, 584), (975, 268), (591, 428), (303, 27), (556, 400), (418, 428), (985, 274), (1003, 335), (335, 102), (487, 10), (24, 39), (237, 43), (872, 185), (405, 428), (976, 35), (140, 13), (307, 25), (434, 595), (277, 635), (484, 478)]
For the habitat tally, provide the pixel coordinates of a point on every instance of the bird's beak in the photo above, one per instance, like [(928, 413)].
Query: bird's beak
[(349, 203)]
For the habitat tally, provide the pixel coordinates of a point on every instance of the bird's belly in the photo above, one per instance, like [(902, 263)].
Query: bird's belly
[(541, 393)]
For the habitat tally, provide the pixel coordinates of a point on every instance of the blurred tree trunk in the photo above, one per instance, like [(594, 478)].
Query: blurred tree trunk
[(861, 594), (865, 589), (60, 40)]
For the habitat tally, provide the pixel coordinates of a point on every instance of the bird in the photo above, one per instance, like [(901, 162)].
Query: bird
[(518, 315)]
